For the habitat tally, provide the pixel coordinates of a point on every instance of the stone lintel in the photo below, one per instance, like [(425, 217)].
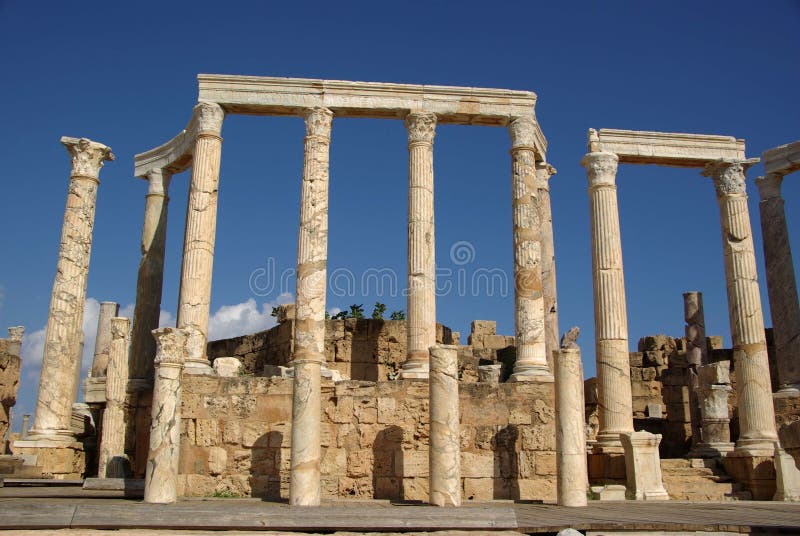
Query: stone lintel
[(173, 156), (668, 148), (782, 160)]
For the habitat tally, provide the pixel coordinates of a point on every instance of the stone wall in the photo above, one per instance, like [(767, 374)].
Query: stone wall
[(236, 433)]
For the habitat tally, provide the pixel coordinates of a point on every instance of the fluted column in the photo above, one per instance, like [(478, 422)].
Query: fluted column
[(201, 226), (421, 302), (573, 476), (544, 172), (529, 317), (151, 275), (61, 361), (309, 335), (102, 340), (781, 283), (445, 440), (161, 476), (610, 316), (756, 414), (112, 461)]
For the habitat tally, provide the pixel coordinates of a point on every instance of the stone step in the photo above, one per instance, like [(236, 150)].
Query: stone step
[(699, 480)]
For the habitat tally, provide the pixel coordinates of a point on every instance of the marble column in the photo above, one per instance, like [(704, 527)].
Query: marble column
[(61, 360), (421, 301), (756, 414), (151, 275), (112, 460), (571, 463), (102, 341), (696, 355), (309, 335), (194, 301), (610, 316), (445, 439), (161, 476), (529, 316), (544, 172), (781, 284)]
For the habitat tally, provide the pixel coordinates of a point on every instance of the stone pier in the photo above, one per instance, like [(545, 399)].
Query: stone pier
[(444, 451), (756, 414), (610, 316), (112, 462), (544, 172), (643, 467), (161, 477), (421, 302), (194, 300), (102, 341), (781, 283), (309, 349), (61, 362), (151, 275), (713, 391), (529, 311), (573, 477)]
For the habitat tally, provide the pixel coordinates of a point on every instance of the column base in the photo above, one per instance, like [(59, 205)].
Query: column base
[(199, 367), (787, 391), (415, 370), (608, 443), (754, 447), (46, 438), (710, 450), (534, 374)]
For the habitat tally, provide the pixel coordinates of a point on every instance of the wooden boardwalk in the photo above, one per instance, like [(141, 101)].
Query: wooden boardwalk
[(254, 515)]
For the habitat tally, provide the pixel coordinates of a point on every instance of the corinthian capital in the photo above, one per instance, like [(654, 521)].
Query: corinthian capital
[(15, 333), (769, 187), (318, 122), (87, 156), (171, 346), (523, 133), (209, 118), (421, 127), (728, 175), (601, 168)]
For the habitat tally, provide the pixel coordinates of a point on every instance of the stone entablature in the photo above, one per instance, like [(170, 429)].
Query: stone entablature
[(782, 160), (667, 148)]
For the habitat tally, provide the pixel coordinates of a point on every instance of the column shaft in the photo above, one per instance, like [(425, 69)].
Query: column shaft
[(543, 173), (112, 461), (61, 361), (696, 356), (756, 413), (102, 341), (445, 438), (309, 336), (151, 276), (573, 476), (201, 224), (781, 283), (610, 315)]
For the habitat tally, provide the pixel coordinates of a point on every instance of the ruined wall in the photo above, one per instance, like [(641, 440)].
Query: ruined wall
[(236, 433)]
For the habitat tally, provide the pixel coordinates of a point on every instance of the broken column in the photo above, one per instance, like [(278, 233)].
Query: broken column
[(756, 414), (787, 476), (544, 172), (112, 462), (573, 477), (529, 317), (194, 300), (781, 284), (309, 336), (696, 354), (421, 301), (161, 477), (102, 341), (713, 391), (445, 439), (610, 314), (151, 275), (61, 360), (10, 366), (643, 467)]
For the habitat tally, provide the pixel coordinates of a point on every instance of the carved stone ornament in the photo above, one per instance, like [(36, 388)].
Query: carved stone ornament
[(421, 127), (120, 327), (171, 344), (15, 333), (318, 122), (209, 117), (594, 141), (87, 156), (570, 339), (543, 173), (523, 132), (728, 175), (769, 187), (601, 168)]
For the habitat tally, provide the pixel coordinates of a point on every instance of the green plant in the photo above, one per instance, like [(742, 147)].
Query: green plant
[(398, 315), (274, 312), (356, 311), (225, 494), (341, 315), (377, 312), (327, 315)]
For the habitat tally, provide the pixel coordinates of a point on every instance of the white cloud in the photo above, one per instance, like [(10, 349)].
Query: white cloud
[(240, 319), (165, 319), (334, 311)]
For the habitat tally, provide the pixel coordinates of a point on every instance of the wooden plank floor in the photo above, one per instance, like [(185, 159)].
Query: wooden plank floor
[(256, 515)]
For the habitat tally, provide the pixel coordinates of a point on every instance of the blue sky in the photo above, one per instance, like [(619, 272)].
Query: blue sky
[(125, 74)]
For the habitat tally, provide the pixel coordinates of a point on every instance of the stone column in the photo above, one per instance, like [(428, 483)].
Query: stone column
[(102, 341), (421, 302), (610, 316), (544, 172), (445, 439), (201, 226), (14, 340), (26, 422), (573, 476), (309, 336), (112, 460), (781, 284), (61, 360), (10, 368), (151, 275), (712, 392), (529, 318), (161, 477), (696, 354), (756, 414)]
